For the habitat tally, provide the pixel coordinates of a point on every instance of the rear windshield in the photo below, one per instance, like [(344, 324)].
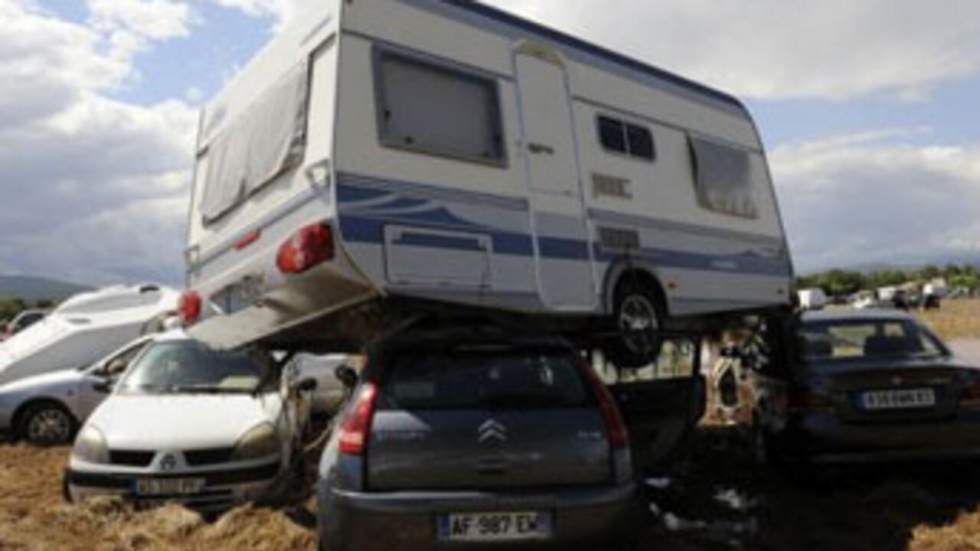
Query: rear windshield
[(484, 379), (838, 341)]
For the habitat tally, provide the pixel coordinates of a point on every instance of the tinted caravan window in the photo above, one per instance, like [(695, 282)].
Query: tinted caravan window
[(723, 178), (629, 139), (438, 110)]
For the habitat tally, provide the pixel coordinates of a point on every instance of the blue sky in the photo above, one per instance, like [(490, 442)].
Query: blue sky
[(868, 111)]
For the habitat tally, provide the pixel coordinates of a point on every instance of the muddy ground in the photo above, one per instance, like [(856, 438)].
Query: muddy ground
[(712, 499)]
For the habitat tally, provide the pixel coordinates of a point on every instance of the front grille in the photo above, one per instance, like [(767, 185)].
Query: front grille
[(210, 456), (214, 478), (131, 458)]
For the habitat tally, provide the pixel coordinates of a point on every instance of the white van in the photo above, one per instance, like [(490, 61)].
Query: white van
[(812, 299), (85, 328), (416, 152)]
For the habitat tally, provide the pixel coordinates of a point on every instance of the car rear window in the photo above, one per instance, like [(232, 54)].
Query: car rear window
[(484, 379), (830, 341)]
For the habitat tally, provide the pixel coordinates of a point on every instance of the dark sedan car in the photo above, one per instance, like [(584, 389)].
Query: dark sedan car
[(863, 385)]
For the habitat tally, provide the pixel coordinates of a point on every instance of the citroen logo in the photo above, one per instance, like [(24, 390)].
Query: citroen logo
[(492, 430), (897, 381), (169, 462)]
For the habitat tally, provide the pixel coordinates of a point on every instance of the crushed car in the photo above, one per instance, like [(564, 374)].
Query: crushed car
[(186, 423)]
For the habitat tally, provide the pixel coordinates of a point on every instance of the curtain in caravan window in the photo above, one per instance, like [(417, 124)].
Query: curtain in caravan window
[(436, 110), (266, 139), (723, 178)]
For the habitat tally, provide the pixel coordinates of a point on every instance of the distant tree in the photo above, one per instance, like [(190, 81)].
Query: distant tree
[(44, 304), (930, 272)]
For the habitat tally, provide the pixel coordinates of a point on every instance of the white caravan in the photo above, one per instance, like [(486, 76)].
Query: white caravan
[(382, 156), (84, 329)]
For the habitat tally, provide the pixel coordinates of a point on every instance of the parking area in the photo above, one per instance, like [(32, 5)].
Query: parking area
[(713, 499)]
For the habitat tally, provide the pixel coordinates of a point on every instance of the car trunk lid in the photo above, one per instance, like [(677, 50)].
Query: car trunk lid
[(487, 420)]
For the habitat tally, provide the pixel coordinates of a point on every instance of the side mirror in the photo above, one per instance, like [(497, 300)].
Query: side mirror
[(103, 387), (306, 385), (346, 375)]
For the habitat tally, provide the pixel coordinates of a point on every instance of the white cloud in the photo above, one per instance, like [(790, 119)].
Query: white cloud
[(780, 49), (875, 198), (83, 174)]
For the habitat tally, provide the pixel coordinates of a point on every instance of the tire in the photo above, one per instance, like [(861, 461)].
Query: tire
[(638, 315), (46, 424)]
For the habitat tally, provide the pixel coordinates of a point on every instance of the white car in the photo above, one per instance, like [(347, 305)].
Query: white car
[(48, 409), (189, 424)]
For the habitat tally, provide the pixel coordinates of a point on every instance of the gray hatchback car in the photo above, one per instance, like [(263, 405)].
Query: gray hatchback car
[(462, 442)]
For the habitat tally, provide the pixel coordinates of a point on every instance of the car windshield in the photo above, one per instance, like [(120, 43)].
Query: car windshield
[(848, 340), (484, 379), (188, 366)]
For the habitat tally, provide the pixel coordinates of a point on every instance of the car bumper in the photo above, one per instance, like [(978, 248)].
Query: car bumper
[(223, 489), (351, 520), (825, 437)]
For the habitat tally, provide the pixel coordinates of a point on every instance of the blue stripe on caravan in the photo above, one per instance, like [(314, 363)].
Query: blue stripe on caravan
[(371, 230)]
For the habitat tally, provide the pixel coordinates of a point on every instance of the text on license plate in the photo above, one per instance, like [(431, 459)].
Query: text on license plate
[(494, 526), (169, 486), (899, 399)]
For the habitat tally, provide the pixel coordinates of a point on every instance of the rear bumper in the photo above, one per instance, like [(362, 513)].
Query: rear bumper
[(823, 436), (407, 520), (223, 488)]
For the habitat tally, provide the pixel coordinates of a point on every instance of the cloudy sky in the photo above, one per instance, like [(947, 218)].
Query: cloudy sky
[(869, 111)]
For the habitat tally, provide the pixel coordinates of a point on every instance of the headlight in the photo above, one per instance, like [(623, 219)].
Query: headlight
[(90, 446), (261, 441)]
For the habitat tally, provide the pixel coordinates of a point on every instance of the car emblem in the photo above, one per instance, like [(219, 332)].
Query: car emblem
[(897, 381), (169, 462), (492, 430)]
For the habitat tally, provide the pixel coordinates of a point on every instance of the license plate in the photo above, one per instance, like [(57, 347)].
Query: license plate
[(899, 399), (494, 526), (169, 486)]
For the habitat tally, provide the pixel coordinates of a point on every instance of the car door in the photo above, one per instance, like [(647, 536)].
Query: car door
[(661, 403)]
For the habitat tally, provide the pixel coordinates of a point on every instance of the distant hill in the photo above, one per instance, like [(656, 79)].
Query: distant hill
[(32, 288)]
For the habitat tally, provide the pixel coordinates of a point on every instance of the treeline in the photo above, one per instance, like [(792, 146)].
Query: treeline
[(845, 282), (10, 307)]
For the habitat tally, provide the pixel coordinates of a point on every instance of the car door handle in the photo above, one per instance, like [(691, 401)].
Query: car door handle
[(540, 149)]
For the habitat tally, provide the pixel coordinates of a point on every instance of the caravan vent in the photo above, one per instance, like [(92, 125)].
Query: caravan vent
[(618, 240)]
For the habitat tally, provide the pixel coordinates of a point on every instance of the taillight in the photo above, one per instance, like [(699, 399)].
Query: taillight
[(356, 427), (189, 307), (809, 401), (970, 396), (615, 427), (310, 246)]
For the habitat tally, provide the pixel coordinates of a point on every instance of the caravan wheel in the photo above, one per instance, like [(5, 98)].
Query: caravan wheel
[(639, 316)]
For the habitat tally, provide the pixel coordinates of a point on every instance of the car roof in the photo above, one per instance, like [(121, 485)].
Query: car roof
[(854, 314), (172, 335)]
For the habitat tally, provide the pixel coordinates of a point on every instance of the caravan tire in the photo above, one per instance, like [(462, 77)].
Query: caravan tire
[(638, 316)]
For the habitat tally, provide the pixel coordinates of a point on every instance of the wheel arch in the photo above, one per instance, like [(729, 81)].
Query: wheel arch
[(621, 271)]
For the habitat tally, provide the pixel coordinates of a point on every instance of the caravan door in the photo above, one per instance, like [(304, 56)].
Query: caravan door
[(566, 279)]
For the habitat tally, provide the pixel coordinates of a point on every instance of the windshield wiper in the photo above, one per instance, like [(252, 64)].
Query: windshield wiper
[(208, 390)]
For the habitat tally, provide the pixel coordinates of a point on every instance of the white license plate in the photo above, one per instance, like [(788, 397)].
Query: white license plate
[(899, 399), (494, 526), (169, 486)]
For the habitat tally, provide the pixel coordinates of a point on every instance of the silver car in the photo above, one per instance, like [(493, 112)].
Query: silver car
[(461, 441), (47, 409)]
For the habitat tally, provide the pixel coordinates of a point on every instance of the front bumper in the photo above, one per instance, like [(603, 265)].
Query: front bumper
[(350, 520), (222, 489)]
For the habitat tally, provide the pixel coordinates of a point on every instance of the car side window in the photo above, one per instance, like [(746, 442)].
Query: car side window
[(115, 366)]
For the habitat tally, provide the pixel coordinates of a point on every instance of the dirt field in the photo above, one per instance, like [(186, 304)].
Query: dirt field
[(956, 319), (713, 499)]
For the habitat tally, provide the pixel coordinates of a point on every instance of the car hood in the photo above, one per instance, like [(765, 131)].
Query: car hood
[(56, 379), (182, 421)]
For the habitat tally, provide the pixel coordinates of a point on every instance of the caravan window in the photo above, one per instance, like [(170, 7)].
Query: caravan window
[(723, 178), (433, 109), (629, 139), (266, 139)]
